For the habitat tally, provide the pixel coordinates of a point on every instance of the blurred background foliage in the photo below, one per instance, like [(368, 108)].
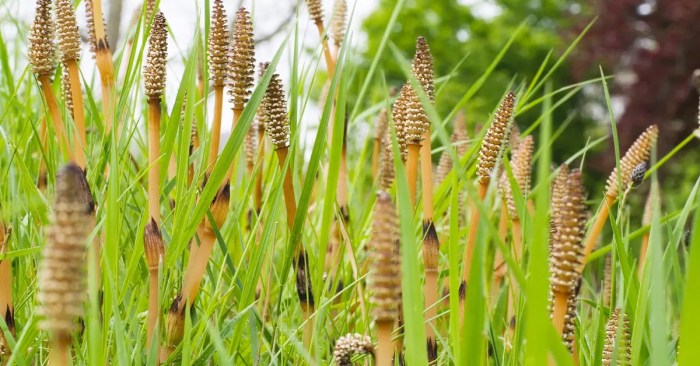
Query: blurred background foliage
[(649, 46)]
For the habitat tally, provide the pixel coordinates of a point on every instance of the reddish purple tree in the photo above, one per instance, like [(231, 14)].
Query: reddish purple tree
[(653, 46)]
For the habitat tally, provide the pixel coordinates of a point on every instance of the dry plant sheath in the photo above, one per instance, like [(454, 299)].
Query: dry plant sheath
[(491, 147), (315, 8), (69, 44), (42, 57), (639, 152), (617, 348), (566, 253), (154, 80), (218, 50), (61, 275), (154, 249), (385, 275), (103, 58), (7, 309), (351, 345), (241, 64), (646, 221)]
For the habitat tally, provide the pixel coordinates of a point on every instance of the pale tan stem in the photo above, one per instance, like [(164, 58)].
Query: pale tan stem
[(153, 308), (153, 155), (56, 117), (78, 112), (596, 229), (385, 346), (105, 65), (307, 311), (412, 170), (471, 241), (288, 186), (59, 354), (427, 177), (216, 126), (330, 62), (198, 266)]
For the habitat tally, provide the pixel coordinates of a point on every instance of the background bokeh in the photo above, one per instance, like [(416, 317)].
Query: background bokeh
[(650, 47)]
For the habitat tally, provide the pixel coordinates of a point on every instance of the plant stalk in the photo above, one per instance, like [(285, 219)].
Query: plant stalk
[(153, 308), (78, 112), (56, 117), (474, 225), (596, 229), (216, 126), (153, 156), (330, 62), (385, 346), (412, 170)]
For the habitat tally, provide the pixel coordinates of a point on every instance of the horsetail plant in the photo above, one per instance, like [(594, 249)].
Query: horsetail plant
[(99, 46), (385, 275), (315, 8), (277, 128), (218, 73), (351, 345), (639, 152), (69, 44), (61, 274), (491, 147), (42, 57), (241, 65), (566, 253), (617, 347), (422, 67), (154, 82)]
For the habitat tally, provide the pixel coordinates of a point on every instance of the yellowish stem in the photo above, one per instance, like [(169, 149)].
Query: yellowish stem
[(288, 187), (78, 112), (199, 264), (216, 126), (56, 117), (153, 308), (330, 62), (153, 155), (237, 111), (412, 170), (471, 241), (385, 346), (596, 229)]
